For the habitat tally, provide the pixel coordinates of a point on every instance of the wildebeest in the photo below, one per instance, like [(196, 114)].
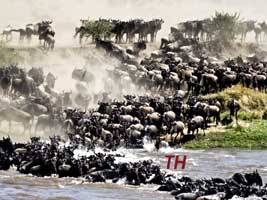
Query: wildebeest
[(195, 123), (234, 107), (13, 114), (43, 121), (34, 109), (248, 179), (177, 128), (83, 75), (213, 111), (7, 33), (50, 80)]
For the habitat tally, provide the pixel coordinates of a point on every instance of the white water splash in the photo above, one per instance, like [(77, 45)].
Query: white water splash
[(149, 145), (247, 198)]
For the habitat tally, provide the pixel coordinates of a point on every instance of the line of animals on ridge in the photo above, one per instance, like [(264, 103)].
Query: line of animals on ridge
[(202, 29), (42, 30), (45, 32), (196, 29), (130, 28), (49, 158)]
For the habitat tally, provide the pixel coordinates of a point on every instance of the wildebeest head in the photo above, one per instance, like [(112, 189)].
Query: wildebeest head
[(6, 144), (254, 178), (141, 45), (35, 139)]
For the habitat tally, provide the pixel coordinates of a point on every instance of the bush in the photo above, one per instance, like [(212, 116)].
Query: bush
[(225, 27), (99, 28), (249, 99)]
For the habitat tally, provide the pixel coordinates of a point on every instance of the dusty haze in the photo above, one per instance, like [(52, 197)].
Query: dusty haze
[(67, 13)]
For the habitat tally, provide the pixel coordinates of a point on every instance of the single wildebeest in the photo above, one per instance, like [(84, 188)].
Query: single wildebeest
[(169, 116), (234, 107), (45, 121), (13, 114), (152, 131), (213, 111), (196, 123), (126, 119), (177, 127)]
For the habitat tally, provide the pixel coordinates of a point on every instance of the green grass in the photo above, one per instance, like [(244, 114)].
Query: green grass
[(251, 134), (252, 137), (250, 115)]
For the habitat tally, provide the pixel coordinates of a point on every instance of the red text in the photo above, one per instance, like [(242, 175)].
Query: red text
[(177, 160)]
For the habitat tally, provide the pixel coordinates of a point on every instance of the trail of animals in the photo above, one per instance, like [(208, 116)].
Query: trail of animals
[(134, 30)]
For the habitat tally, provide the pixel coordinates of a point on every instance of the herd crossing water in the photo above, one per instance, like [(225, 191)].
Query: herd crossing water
[(109, 115)]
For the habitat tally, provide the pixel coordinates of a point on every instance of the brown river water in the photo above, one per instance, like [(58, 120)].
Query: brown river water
[(200, 163)]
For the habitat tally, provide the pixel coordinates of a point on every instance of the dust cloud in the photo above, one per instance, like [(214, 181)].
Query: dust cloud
[(66, 15), (62, 61)]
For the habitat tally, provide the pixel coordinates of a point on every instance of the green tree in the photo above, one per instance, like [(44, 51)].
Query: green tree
[(225, 27), (100, 29)]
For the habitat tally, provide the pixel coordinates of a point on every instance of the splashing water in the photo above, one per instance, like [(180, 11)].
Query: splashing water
[(149, 145)]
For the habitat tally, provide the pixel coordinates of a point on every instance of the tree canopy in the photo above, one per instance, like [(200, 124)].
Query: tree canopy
[(225, 26), (99, 28)]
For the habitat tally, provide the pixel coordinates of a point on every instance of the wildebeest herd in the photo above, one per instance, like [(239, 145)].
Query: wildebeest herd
[(202, 29), (119, 28), (176, 75), (43, 30), (126, 31), (45, 159), (171, 113), (30, 95)]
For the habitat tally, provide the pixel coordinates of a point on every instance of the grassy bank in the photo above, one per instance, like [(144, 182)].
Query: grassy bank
[(249, 99), (249, 136), (251, 133)]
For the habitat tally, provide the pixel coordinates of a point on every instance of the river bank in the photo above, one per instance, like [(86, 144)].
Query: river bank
[(248, 133)]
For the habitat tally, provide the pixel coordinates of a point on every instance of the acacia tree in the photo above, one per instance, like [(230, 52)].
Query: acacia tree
[(225, 27), (100, 29)]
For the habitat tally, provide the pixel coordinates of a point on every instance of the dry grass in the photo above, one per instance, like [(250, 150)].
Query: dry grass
[(252, 102)]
